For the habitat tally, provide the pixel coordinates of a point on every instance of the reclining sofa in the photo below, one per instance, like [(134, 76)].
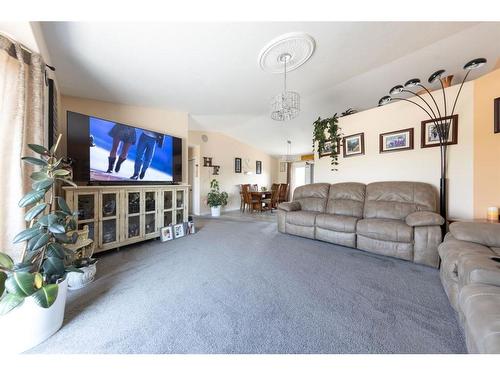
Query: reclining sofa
[(470, 274), (391, 218)]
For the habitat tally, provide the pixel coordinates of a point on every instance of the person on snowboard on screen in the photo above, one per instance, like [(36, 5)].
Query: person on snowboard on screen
[(124, 134), (145, 152)]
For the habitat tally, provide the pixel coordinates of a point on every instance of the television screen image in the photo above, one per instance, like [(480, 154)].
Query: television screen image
[(121, 152)]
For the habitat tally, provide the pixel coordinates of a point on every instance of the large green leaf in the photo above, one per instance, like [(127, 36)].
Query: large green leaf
[(3, 277), (6, 261), (42, 184), (48, 219), (42, 241), (55, 250), (34, 161), (21, 284), (39, 175), (27, 234), (61, 237), (57, 228), (67, 181), (35, 211), (32, 197), (53, 266), (8, 302), (38, 149), (46, 296), (61, 172), (63, 205)]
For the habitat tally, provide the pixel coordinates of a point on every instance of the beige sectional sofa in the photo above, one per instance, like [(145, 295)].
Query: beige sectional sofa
[(393, 218), (470, 273)]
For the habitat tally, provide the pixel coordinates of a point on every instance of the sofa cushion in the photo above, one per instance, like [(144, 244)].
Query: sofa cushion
[(303, 218), (289, 206), (337, 223), (487, 234), (312, 197), (480, 306), (385, 230), (396, 200), (424, 218), (347, 199)]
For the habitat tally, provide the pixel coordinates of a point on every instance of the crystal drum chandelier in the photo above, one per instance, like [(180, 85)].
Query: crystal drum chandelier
[(282, 55), (285, 106)]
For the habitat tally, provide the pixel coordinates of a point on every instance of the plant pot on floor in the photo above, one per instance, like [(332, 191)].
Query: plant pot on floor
[(215, 211), (28, 325), (77, 280)]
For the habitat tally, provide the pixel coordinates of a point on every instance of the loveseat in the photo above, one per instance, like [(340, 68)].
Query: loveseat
[(470, 274), (392, 218)]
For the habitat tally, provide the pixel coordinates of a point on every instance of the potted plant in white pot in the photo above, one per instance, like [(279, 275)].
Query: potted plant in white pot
[(33, 291), (83, 261), (216, 198)]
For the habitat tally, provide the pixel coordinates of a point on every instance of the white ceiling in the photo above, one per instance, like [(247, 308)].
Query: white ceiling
[(211, 71)]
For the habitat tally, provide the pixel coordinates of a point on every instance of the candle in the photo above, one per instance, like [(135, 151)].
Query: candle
[(493, 213)]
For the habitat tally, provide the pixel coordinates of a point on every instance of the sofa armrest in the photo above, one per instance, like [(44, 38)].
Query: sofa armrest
[(289, 206), (424, 219), (487, 234)]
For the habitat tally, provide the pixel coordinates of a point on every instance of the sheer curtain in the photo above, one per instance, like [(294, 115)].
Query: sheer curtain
[(22, 88)]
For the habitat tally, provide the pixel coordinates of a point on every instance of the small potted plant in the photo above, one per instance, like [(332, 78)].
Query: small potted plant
[(216, 198), (83, 261), (33, 291)]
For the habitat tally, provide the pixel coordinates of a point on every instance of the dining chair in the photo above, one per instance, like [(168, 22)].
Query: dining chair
[(283, 193), (272, 203), (250, 200)]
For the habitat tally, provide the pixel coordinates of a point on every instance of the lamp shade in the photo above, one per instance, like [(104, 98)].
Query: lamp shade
[(435, 76), (384, 100), (476, 63), (396, 90), (412, 83)]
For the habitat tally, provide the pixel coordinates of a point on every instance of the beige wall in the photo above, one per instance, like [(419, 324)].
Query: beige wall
[(223, 150), (160, 120), (419, 164), (486, 145)]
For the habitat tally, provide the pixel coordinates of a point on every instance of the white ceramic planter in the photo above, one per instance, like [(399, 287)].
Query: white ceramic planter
[(215, 211), (77, 280), (29, 324)]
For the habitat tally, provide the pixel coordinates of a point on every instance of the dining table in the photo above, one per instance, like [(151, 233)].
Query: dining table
[(258, 196)]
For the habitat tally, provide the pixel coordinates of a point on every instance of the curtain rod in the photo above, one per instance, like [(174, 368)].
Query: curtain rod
[(26, 49)]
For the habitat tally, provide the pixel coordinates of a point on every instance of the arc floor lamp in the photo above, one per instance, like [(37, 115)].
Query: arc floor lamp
[(439, 116)]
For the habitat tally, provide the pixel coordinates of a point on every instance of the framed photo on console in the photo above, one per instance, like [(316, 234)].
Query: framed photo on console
[(429, 134), (399, 140), (166, 233), (354, 145), (179, 230), (496, 126)]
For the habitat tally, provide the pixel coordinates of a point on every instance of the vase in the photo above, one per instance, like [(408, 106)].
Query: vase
[(78, 280), (28, 325), (215, 211)]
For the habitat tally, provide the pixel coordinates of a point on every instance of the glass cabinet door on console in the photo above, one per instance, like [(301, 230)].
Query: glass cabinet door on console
[(133, 220), (180, 206), (167, 208), (150, 212), (109, 211), (86, 205)]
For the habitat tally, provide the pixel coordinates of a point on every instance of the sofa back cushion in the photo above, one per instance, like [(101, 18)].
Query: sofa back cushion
[(398, 199), (346, 199), (312, 197)]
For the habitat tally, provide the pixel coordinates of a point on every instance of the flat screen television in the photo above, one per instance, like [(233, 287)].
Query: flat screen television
[(105, 151)]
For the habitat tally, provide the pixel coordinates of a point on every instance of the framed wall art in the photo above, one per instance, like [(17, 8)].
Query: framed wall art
[(258, 167), (328, 149), (496, 126), (429, 135), (237, 165), (399, 140), (354, 145)]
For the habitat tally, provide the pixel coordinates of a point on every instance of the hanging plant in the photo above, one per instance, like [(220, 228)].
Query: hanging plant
[(327, 137)]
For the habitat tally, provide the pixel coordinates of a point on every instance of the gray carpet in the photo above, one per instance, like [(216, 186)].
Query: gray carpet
[(241, 287)]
